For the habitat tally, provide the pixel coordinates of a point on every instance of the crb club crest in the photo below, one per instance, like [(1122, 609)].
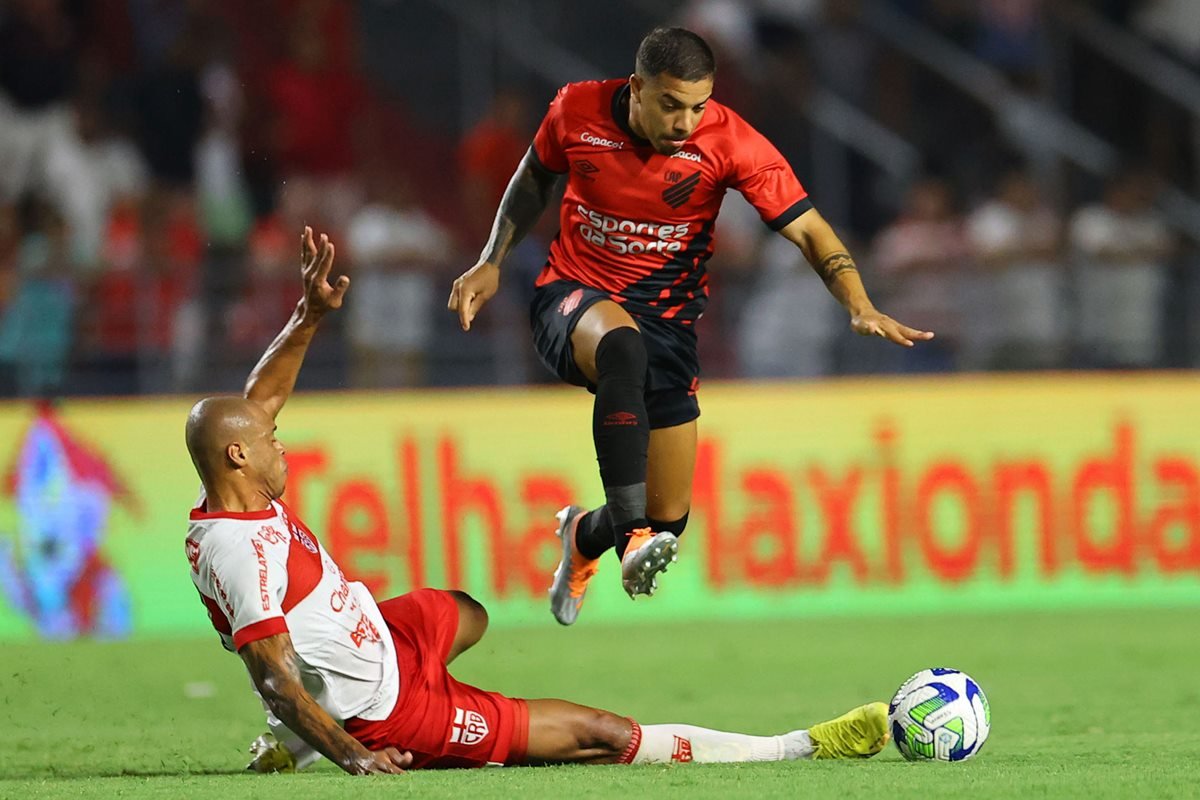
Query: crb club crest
[(301, 536), (469, 727)]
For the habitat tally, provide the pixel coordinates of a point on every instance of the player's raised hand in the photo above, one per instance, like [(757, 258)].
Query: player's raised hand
[(876, 323), (316, 260), (471, 290)]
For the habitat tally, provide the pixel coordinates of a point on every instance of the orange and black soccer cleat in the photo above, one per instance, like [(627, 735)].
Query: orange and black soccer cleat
[(574, 570), (646, 555)]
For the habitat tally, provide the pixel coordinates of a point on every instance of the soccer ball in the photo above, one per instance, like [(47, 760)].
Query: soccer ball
[(939, 714)]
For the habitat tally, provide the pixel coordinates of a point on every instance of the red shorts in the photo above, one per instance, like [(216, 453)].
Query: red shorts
[(442, 722)]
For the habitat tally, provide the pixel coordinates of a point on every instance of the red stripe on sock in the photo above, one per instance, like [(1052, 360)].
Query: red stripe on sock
[(635, 744)]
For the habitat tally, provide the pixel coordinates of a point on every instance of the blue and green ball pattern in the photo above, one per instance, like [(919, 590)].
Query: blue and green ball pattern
[(939, 714)]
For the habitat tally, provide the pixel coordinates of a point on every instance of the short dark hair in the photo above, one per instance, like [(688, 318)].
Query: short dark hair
[(677, 52)]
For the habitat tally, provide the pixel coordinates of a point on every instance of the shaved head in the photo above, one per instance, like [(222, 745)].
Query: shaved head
[(226, 435)]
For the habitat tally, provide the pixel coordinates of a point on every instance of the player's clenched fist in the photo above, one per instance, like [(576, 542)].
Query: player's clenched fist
[(471, 290)]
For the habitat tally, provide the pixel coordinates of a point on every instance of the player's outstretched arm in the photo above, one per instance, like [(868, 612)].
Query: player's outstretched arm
[(828, 256), (272, 665), (524, 200), (273, 378)]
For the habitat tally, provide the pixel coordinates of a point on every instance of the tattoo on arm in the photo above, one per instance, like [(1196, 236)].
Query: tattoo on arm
[(272, 665), (525, 199), (833, 265)]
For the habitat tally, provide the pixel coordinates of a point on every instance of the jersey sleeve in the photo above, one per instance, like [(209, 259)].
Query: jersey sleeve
[(249, 575), (549, 141), (765, 178)]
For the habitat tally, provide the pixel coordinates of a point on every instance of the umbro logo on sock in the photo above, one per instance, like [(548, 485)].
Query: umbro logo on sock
[(621, 418)]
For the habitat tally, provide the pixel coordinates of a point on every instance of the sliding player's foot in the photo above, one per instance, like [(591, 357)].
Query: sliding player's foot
[(860, 733), (573, 572), (646, 555), (268, 754)]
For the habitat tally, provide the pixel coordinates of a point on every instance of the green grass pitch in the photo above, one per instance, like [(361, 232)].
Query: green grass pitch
[(1084, 704)]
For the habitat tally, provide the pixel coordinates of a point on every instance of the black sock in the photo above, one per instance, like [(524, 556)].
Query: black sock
[(658, 526), (594, 534), (675, 526), (621, 429)]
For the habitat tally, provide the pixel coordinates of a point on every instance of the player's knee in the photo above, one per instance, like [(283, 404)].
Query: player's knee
[(603, 731), (472, 616), (621, 354)]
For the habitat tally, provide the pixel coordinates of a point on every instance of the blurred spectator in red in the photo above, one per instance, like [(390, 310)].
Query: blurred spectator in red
[(152, 256), (489, 154), (1018, 317), (1122, 247), (10, 243), (314, 101), (269, 295), (398, 250), (921, 258)]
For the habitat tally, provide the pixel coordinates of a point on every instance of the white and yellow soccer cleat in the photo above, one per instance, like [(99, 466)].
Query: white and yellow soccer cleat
[(860, 733), (268, 754)]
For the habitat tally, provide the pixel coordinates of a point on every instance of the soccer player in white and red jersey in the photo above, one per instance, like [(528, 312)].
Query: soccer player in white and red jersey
[(647, 161), (366, 684)]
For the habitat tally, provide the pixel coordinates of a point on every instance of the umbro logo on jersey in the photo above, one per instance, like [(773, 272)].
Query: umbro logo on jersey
[(678, 193), (586, 169), (469, 727)]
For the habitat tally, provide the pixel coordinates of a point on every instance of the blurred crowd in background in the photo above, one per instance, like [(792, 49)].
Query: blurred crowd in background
[(158, 159)]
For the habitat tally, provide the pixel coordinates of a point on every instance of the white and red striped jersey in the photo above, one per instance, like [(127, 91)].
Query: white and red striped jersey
[(261, 573)]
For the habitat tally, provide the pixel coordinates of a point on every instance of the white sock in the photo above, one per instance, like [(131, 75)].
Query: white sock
[(305, 754), (660, 744)]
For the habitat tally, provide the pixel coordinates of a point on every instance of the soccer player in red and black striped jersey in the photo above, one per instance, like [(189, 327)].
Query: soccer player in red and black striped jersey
[(647, 161)]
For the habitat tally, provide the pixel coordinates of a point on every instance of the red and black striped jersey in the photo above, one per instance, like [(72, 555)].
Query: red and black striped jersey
[(638, 224)]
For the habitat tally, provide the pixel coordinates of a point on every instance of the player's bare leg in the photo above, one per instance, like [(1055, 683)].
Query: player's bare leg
[(670, 470), (562, 732), (472, 624)]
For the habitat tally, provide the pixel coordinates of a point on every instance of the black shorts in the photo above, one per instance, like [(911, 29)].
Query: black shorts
[(673, 367)]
